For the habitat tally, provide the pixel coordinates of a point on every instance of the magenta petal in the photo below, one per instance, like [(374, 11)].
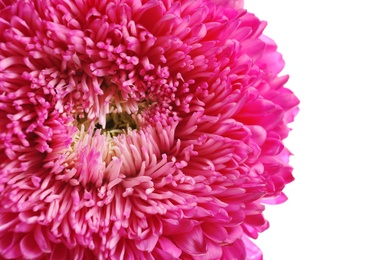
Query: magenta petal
[(29, 246), (235, 233), (6, 241), (235, 251), (169, 247), (11, 249), (7, 220), (183, 226), (162, 254), (272, 61), (192, 243), (253, 252), (215, 232), (60, 252), (41, 240), (214, 251), (238, 4), (147, 244), (275, 200)]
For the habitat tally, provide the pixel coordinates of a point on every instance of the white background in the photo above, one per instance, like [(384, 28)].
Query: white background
[(337, 55)]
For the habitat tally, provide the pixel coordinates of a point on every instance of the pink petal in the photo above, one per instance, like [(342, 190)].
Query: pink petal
[(214, 251), (182, 226), (235, 233), (275, 200), (41, 240), (215, 232), (11, 248), (170, 248), (235, 251), (238, 4), (7, 220), (29, 246), (60, 252), (252, 251), (147, 244), (192, 243)]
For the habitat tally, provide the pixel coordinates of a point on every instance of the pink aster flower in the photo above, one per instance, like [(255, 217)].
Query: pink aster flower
[(134, 129)]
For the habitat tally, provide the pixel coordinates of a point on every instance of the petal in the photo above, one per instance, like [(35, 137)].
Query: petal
[(60, 252), (214, 251), (252, 251), (11, 248), (41, 240), (275, 200), (184, 226), (237, 4), (29, 247), (147, 244), (235, 251), (7, 220), (215, 232), (235, 233), (193, 242), (169, 247)]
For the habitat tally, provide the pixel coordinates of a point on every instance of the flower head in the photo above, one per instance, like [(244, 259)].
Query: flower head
[(134, 129)]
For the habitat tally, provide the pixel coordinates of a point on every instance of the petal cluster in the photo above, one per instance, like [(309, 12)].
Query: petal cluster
[(134, 129)]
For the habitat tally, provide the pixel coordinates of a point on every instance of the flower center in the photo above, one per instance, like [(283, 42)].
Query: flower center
[(117, 123)]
